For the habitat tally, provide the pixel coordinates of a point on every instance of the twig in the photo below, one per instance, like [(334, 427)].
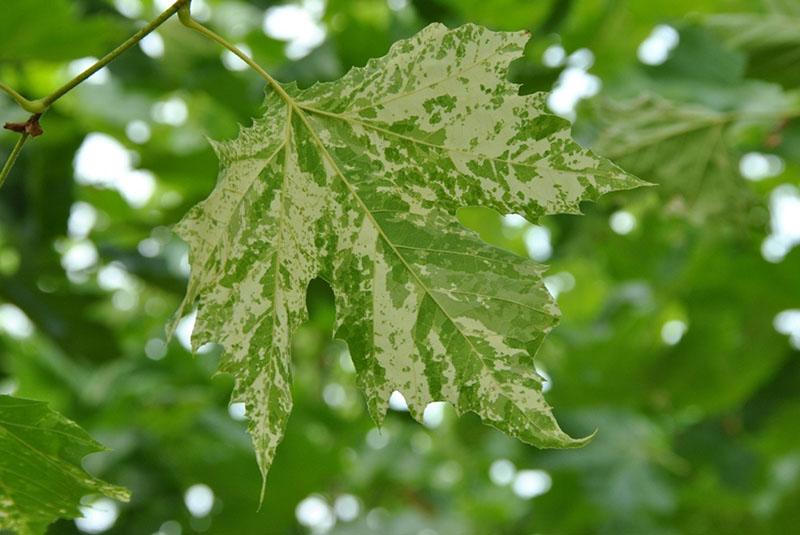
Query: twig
[(13, 158), (24, 103), (31, 127), (114, 54)]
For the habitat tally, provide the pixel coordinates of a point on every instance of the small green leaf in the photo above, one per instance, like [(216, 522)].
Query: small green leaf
[(358, 182), (41, 478)]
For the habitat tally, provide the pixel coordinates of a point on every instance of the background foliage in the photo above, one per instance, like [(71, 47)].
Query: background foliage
[(680, 333)]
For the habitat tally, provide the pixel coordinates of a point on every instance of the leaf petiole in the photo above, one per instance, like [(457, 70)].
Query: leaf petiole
[(184, 15)]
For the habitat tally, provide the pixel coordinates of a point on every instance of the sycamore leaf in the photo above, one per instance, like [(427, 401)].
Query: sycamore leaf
[(685, 149), (358, 182), (770, 41), (41, 478)]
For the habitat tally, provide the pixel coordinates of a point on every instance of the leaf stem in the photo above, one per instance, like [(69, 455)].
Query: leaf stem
[(184, 15), (114, 54), (12, 158)]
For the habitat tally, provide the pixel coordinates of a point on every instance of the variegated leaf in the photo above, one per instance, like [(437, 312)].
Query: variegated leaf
[(357, 182), (41, 478)]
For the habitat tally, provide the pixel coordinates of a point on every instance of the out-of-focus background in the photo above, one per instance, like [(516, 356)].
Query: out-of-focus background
[(681, 303)]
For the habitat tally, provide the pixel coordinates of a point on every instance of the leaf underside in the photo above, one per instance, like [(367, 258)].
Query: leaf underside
[(41, 478), (358, 181)]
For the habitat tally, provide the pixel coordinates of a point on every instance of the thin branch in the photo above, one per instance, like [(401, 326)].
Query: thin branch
[(24, 103), (38, 107), (12, 158), (114, 54)]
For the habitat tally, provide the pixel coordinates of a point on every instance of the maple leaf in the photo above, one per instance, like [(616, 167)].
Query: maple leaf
[(41, 478), (357, 182), (688, 150), (771, 42)]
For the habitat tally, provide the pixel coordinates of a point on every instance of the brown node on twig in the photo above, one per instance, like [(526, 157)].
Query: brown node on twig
[(30, 127)]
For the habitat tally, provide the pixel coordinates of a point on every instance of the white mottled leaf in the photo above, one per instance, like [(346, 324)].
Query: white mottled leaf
[(41, 478), (357, 182)]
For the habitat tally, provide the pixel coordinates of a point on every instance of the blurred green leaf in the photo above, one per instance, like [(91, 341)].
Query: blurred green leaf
[(770, 41), (688, 151), (40, 456)]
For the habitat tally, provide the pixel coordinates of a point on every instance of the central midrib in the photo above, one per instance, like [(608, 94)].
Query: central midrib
[(294, 107), (328, 156)]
